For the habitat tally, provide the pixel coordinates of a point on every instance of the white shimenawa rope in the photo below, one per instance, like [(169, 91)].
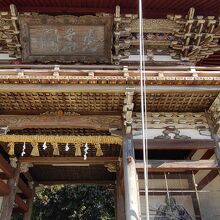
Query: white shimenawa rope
[(143, 108)]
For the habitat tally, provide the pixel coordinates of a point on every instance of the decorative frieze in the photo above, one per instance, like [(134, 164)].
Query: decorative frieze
[(172, 125), (214, 111)]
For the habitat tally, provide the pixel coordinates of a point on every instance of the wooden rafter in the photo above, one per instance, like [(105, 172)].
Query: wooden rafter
[(24, 188), (176, 144), (68, 160), (4, 188), (56, 88), (21, 204), (6, 167), (207, 179), (171, 165)]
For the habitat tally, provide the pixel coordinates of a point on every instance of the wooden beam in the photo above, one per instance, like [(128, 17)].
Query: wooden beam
[(132, 201), (3, 176), (21, 204), (194, 196), (8, 201), (4, 188), (170, 165), (76, 182), (208, 154), (175, 144), (120, 194), (24, 188), (9, 172), (27, 215), (160, 175), (6, 167), (99, 88), (207, 179), (67, 160), (97, 122)]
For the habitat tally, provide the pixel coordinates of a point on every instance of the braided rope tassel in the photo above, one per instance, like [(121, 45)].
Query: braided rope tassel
[(56, 151), (78, 150), (35, 150), (11, 146), (99, 151)]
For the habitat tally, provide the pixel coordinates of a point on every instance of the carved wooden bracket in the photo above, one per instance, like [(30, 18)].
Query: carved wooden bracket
[(127, 109), (214, 111), (197, 38), (9, 33)]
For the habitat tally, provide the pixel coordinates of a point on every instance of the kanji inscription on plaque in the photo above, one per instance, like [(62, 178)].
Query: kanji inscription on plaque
[(66, 39)]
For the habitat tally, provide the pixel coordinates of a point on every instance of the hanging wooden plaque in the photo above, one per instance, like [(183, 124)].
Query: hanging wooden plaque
[(66, 39)]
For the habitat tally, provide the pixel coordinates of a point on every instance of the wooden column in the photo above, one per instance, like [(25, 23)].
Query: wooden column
[(1, 201), (132, 201), (120, 194), (27, 215), (8, 201)]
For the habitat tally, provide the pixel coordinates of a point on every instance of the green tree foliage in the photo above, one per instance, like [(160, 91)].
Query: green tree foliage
[(74, 203)]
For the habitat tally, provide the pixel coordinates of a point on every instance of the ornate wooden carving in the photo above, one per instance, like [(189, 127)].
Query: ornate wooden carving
[(158, 120), (190, 38), (171, 130), (197, 38), (173, 125), (214, 111), (127, 110), (9, 33), (98, 122), (154, 26), (122, 33), (85, 39)]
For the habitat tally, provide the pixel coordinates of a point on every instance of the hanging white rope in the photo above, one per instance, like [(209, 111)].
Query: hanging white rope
[(143, 108)]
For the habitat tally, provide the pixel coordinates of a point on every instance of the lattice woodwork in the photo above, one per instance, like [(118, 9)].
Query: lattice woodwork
[(77, 102), (104, 102), (171, 102), (9, 33), (197, 38)]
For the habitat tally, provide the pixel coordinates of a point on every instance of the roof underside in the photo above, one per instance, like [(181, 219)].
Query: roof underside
[(93, 103), (152, 9), (55, 174)]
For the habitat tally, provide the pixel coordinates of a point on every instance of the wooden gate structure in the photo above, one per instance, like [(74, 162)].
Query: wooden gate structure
[(70, 105)]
